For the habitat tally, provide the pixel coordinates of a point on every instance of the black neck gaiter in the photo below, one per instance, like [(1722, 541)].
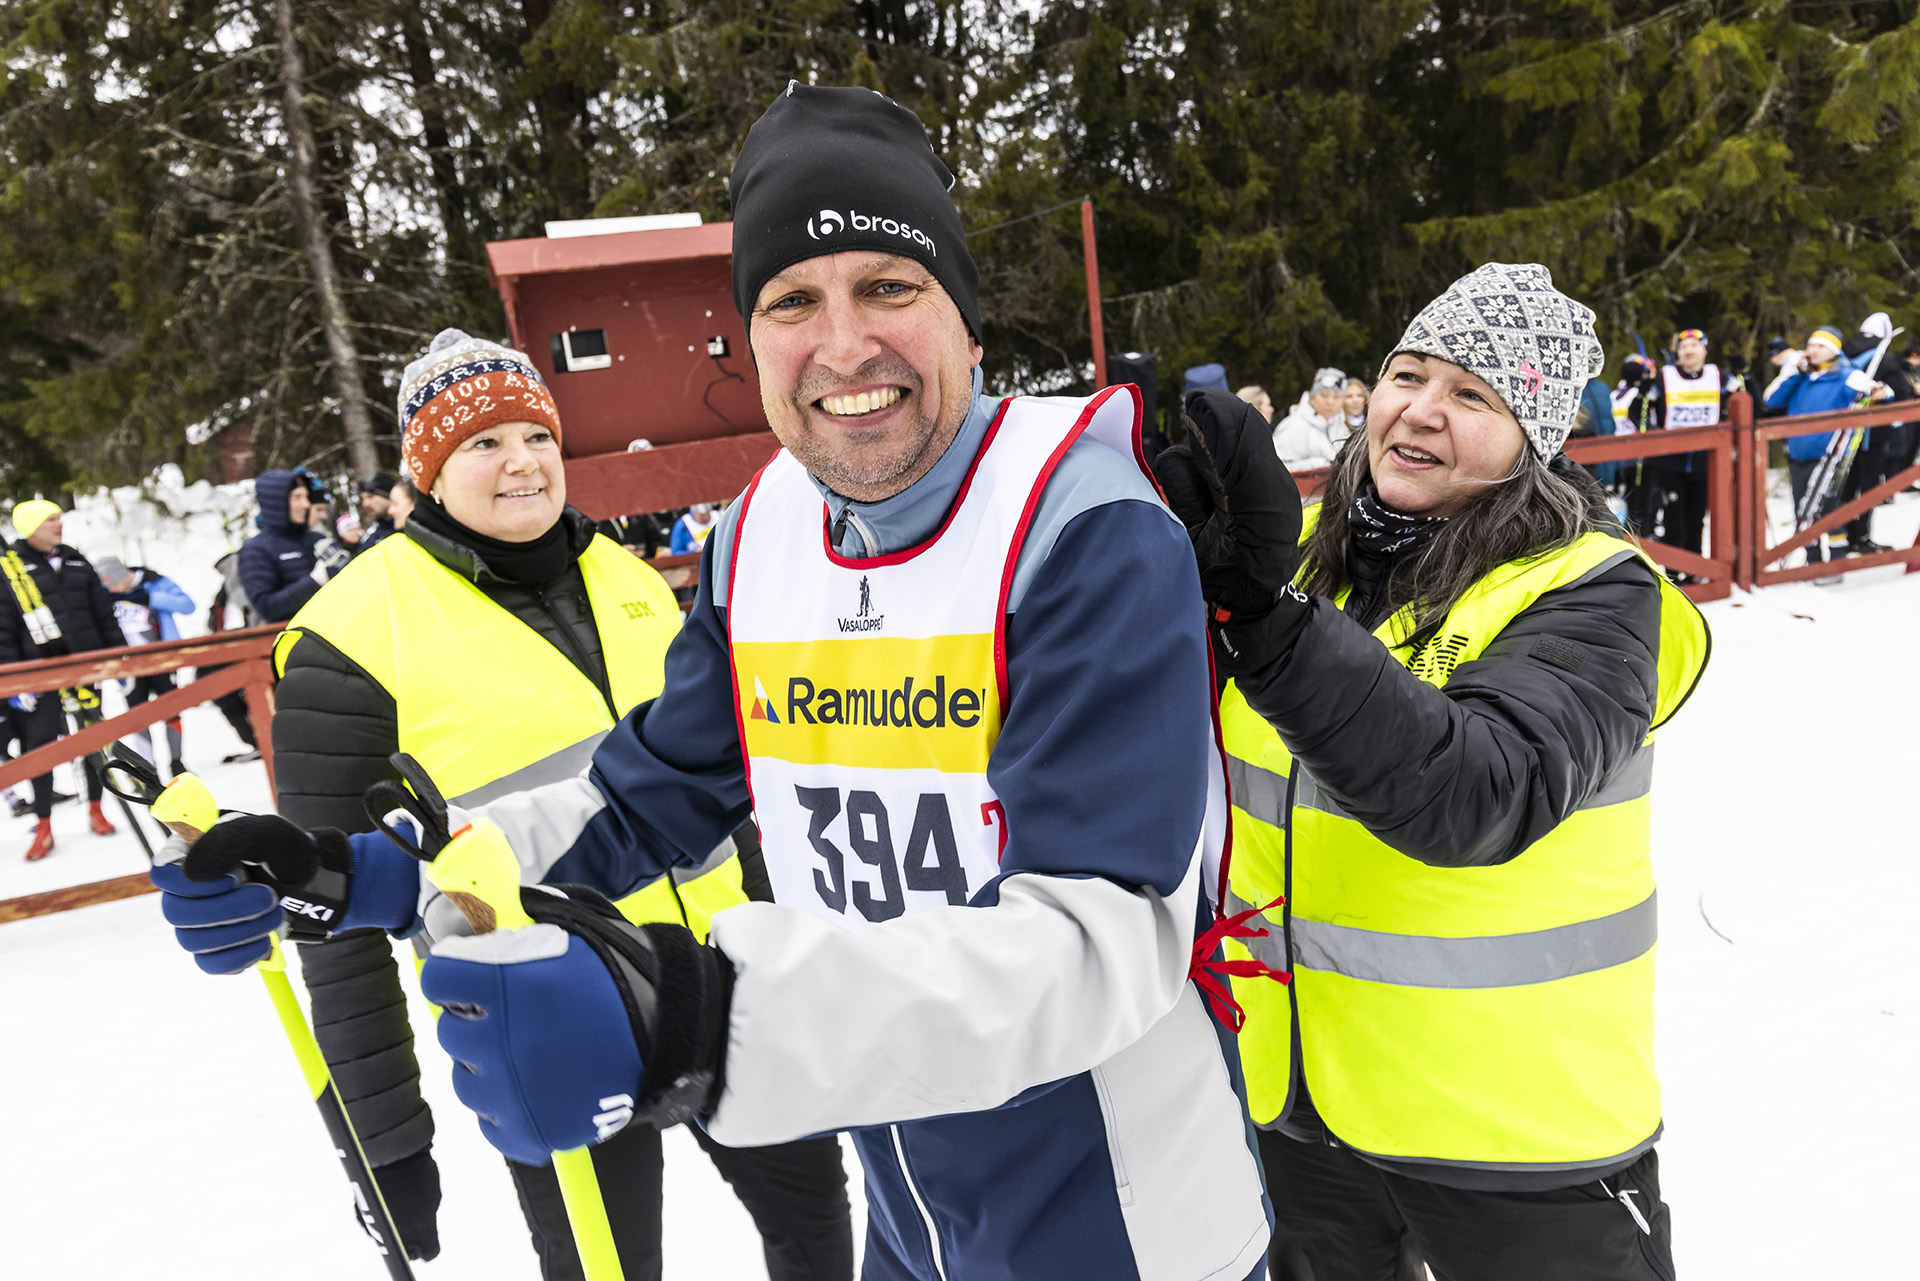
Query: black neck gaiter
[(1377, 528), (539, 561)]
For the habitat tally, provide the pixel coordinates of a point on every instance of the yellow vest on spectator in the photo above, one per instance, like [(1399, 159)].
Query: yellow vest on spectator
[(1494, 1017), (486, 704)]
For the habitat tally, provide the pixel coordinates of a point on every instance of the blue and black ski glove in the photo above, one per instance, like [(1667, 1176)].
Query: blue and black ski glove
[(564, 1031), (247, 877)]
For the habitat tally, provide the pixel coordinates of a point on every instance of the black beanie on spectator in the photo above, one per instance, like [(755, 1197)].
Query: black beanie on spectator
[(828, 169)]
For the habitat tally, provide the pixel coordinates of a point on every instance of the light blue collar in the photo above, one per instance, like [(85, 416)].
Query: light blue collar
[(865, 530)]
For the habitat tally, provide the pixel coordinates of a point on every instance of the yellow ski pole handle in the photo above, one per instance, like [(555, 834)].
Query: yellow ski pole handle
[(186, 807), (478, 872)]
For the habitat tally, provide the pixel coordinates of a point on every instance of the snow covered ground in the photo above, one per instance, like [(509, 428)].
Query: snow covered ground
[(155, 1125)]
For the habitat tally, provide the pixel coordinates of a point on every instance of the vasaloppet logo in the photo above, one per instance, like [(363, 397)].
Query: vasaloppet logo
[(904, 706), (864, 619), (829, 222)]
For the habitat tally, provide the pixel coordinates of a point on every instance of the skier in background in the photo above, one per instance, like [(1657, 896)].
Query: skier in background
[(1813, 380), (54, 605), (1882, 445), (147, 604), (1690, 392)]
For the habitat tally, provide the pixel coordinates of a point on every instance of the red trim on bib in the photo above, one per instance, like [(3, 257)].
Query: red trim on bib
[(733, 668), (1026, 519)]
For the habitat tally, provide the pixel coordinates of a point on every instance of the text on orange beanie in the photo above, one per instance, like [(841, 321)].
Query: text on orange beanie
[(461, 387)]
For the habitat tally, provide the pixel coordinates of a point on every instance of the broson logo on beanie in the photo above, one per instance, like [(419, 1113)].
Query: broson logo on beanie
[(791, 200)]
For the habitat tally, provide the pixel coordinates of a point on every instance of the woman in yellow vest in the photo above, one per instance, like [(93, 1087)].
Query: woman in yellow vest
[(496, 638), (1440, 740)]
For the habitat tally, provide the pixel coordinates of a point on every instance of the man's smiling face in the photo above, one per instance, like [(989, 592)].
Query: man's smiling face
[(865, 369)]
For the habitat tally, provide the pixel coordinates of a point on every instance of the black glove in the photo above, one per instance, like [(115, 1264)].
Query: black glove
[(411, 1189), (1241, 508), (677, 990), (310, 872)]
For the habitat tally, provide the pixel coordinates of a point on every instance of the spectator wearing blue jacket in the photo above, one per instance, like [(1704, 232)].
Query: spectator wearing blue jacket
[(691, 530), (1813, 381), (281, 566), (147, 605)]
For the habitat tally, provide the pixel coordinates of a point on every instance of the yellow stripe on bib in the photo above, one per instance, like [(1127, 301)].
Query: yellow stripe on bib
[(882, 702)]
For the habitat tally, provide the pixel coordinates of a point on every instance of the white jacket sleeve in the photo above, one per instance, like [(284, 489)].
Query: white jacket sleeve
[(957, 1009)]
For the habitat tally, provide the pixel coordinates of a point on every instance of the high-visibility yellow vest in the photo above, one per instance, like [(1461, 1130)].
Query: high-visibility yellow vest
[(1496, 1017), (486, 704)]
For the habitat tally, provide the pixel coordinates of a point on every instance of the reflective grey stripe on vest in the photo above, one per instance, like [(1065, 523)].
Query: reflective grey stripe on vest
[(1497, 960), (568, 762), (1633, 780), (1273, 948), (725, 850), (1260, 792)]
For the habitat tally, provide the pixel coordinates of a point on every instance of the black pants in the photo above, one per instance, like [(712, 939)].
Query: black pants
[(1799, 476), (1341, 1219), (1683, 506), (150, 687), (1869, 469), (47, 723), (233, 706), (796, 1193)]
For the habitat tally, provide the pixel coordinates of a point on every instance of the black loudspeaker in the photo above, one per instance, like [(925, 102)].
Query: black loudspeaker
[(1143, 370)]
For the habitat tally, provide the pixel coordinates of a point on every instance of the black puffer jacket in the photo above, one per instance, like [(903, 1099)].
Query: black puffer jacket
[(1474, 773), (80, 605)]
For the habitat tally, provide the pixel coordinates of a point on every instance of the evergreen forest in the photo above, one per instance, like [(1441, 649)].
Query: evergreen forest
[(228, 213)]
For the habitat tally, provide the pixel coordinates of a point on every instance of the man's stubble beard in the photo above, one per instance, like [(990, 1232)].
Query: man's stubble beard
[(844, 475)]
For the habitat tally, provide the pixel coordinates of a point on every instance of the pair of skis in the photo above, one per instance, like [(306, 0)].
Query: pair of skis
[(1842, 448)]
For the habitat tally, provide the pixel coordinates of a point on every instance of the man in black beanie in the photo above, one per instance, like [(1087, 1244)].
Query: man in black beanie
[(957, 645)]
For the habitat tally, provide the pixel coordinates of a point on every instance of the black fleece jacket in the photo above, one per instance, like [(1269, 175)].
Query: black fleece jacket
[(1473, 773)]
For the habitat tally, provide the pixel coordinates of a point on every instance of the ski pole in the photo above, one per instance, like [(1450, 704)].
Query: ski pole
[(478, 872), (475, 868), (186, 808)]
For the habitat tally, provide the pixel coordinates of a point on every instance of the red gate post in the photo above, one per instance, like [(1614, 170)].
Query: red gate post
[(1093, 296), (1746, 499)]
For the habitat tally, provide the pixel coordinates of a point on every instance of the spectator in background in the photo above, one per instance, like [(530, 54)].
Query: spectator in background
[(1594, 417), (281, 566), (1203, 376), (54, 605), (1812, 381), (642, 534), (347, 527), (1628, 404), (146, 605), (691, 530), (1311, 434), (1256, 395), (1871, 463), (400, 502), (233, 704), (376, 500), (1690, 392), (1354, 402), (1907, 446)]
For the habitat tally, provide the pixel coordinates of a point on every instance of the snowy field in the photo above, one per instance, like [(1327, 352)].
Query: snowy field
[(156, 1127)]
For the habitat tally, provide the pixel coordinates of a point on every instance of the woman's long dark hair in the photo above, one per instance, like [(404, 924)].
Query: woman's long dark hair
[(1539, 508)]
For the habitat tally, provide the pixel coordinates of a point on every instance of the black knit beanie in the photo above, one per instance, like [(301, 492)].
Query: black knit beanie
[(825, 170)]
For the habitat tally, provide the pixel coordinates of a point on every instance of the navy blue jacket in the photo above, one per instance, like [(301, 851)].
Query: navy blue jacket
[(276, 564)]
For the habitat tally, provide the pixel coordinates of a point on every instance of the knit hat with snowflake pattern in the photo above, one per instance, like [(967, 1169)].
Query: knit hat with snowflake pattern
[(1507, 324), (461, 387)]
